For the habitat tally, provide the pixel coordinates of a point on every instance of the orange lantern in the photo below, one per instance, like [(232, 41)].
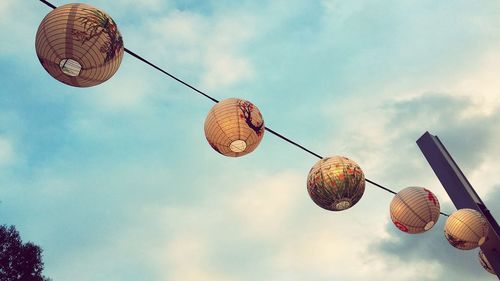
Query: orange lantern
[(336, 183), (414, 210), (466, 229), (79, 45), (234, 127)]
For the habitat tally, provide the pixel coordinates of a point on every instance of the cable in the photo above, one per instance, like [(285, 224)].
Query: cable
[(216, 101), (379, 186), (292, 142), (168, 74), (48, 4)]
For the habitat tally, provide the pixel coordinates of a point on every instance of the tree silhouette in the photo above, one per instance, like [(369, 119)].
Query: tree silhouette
[(18, 261)]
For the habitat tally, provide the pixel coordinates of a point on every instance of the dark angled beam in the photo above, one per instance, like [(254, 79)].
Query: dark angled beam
[(461, 192)]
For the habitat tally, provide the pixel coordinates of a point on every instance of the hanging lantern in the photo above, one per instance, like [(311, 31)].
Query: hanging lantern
[(485, 263), (466, 229), (336, 183), (234, 127), (79, 45), (414, 210)]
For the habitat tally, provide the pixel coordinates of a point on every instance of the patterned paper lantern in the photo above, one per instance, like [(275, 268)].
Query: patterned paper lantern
[(336, 183), (414, 210), (234, 127), (79, 45), (466, 229), (485, 263)]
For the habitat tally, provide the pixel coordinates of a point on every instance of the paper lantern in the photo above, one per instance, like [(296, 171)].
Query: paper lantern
[(79, 45), (234, 127), (414, 210), (336, 183), (485, 263), (466, 229)]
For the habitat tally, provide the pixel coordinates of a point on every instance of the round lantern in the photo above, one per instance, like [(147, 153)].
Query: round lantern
[(414, 210), (485, 263), (336, 183), (466, 229), (234, 127), (79, 45)]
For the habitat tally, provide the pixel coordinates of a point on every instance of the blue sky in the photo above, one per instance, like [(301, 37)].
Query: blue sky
[(117, 182)]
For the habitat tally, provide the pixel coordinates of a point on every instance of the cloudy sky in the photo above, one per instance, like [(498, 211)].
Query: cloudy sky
[(117, 182)]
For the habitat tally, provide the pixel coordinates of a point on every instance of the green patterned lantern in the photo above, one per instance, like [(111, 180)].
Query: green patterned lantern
[(336, 183)]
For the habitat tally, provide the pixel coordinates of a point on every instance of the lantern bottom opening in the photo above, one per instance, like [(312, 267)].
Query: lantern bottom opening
[(342, 205), (481, 241), (238, 146), (429, 225), (70, 67)]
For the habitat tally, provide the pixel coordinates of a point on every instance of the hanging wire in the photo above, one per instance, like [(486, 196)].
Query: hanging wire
[(168, 74), (48, 4), (216, 101)]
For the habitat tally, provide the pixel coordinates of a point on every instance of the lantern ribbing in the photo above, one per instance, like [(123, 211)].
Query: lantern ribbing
[(216, 101), (79, 45), (466, 229), (414, 210)]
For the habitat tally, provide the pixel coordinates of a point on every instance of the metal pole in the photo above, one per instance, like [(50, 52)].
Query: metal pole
[(461, 192)]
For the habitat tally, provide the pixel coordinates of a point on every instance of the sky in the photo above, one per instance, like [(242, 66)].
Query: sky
[(117, 181)]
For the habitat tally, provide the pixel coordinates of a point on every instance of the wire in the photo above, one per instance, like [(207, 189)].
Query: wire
[(216, 101), (48, 4), (380, 186), (168, 74), (292, 142)]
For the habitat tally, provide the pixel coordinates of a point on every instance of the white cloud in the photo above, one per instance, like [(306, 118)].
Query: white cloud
[(6, 8), (224, 70), (181, 28), (481, 83), (325, 254), (10, 13), (210, 44), (265, 206), (338, 11), (7, 153), (476, 80), (130, 90), (307, 242), (187, 259), (127, 6)]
